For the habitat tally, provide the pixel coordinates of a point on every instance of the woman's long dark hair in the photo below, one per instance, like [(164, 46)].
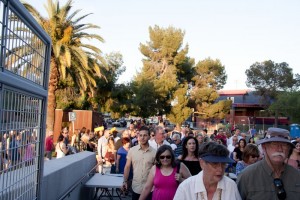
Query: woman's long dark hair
[(60, 138), (184, 149), (160, 151), (245, 143)]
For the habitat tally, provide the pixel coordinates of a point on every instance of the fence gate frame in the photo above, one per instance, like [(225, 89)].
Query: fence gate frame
[(24, 72)]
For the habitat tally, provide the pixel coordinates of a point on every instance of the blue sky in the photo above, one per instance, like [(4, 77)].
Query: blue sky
[(237, 32)]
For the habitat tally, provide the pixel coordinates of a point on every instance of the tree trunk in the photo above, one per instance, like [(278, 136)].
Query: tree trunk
[(53, 81)]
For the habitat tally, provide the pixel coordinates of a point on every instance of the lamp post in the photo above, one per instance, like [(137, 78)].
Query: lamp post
[(263, 119)]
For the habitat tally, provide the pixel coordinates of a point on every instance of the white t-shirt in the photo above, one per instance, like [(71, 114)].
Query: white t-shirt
[(59, 151)]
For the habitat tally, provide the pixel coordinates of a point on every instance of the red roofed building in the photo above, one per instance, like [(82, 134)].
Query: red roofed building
[(247, 111)]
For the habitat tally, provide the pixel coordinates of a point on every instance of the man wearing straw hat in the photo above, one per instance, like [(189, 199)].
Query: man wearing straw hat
[(271, 178)]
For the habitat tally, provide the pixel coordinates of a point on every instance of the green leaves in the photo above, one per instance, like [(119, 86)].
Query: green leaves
[(169, 71), (268, 78)]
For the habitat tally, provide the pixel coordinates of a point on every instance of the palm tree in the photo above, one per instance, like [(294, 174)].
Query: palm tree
[(70, 57)]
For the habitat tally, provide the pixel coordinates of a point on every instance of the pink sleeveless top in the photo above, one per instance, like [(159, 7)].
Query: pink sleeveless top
[(164, 186)]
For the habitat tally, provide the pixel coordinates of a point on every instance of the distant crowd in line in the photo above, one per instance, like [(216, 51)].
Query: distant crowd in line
[(17, 149), (184, 164)]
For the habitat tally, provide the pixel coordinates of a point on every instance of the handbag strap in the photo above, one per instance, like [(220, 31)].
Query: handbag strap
[(178, 166), (60, 147)]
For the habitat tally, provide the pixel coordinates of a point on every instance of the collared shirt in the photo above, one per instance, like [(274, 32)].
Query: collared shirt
[(193, 188), (230, 148), (155, 146), (229, 141), (178, 150), (256, 182), (142, 161)]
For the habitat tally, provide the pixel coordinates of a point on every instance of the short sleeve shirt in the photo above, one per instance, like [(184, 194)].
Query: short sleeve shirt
[(193, 189), (142, 161)]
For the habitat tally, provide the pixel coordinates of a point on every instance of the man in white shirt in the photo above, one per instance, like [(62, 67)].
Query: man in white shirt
[(102, 148), (231, 146), (237, 133), (159, 138), (210, 183)]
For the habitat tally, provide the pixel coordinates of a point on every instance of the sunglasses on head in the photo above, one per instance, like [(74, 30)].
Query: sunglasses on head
[(163, 157), (281, 194)]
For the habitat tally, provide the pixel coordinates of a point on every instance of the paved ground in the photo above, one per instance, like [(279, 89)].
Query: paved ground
[(122, 197)]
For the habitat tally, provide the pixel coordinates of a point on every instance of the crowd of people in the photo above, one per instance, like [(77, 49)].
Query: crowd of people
[(17, 149), (186, 164)]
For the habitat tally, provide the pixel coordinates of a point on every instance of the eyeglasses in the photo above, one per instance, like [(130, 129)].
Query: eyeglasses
[(274, 145), (281, 194), (163, 157), (217, 164)]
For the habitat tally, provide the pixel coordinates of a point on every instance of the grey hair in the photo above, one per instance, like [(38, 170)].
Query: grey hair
[(176, 136), (158, 128)]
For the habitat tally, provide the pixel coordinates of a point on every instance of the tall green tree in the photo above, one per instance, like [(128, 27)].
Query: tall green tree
[(70, 56), (180, 110), (107, 92), (165, 58), (269, 79), (288, 104), (122, 100), (209, 77), (145, 99)]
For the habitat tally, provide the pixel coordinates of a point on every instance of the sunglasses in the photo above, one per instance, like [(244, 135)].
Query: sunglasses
[(281, 194), (254, 156), (163, 157)]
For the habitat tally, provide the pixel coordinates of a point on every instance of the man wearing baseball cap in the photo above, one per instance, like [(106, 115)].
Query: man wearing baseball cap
[(210, 183), (271, 178)]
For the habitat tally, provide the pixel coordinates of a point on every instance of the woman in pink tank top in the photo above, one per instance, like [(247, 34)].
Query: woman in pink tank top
[(165, 176)]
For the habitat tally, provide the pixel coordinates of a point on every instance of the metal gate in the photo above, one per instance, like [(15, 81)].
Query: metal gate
[(24, 68)]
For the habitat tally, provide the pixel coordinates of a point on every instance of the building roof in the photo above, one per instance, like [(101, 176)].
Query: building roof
[(233, 92), (241, 98)]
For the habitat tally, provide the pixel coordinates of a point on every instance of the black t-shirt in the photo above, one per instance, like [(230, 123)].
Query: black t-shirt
[(193, 166)]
